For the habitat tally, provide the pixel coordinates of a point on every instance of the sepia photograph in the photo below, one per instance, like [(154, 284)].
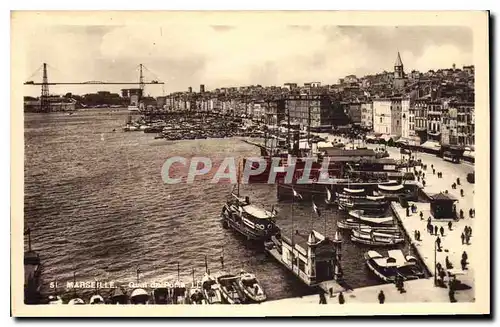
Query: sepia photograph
[(250, 163)]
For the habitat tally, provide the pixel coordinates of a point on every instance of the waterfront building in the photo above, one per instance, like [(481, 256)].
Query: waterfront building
[(434, 112), (367, 115), (354, 112), (396, 116), (382, 116), (420, 108), (316, 110), (465, 122)]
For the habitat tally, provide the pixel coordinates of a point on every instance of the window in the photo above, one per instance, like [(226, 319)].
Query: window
[(381, 120)]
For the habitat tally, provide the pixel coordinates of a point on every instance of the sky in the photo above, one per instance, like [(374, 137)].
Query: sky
[(183, 55)]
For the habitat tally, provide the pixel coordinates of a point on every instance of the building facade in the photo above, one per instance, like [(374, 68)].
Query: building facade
[(367, 115), (382, 121), (314, 110), (434, 112), (396, 116)]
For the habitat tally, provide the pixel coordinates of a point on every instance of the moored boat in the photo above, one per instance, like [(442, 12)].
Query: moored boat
[(354, 223), (96, 299), (161, 295), (139, 296), (360, 214), (253, 222), (230, 288), (376, 238), (179, 293), (118, 296), (251, 287), (211, 290), (55, 299), (387, 268), (76, 301), (196, 294)]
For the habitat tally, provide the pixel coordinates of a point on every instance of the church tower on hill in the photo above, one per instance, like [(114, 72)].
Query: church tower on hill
[(399, 73)]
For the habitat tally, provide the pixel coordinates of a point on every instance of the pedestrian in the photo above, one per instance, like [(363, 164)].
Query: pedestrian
[(434, 171), (449, 225), (441, 230), (461, 214), (470, 213), (407, 211), (442, 274), (421, 215), (462, 192), (435, 230), (467, 239), (458, 181), (432, 166), (470, 231), (430, 229), (381, 297), (423, 183), (463, 238), (418, 235), (415, 235), (463, 262), (448, 263), (451, 294), (429, 219), (322, 298), (341, 298), (438, 242), (465, 256)]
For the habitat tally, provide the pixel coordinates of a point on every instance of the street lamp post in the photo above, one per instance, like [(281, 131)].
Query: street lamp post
[(435, 262)]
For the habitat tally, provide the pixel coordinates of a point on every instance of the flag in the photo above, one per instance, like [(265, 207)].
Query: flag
[(316, 209), (328, 196), (296, 195)]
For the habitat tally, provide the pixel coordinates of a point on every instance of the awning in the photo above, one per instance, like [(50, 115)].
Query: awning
[(390, 187), (431, 145)]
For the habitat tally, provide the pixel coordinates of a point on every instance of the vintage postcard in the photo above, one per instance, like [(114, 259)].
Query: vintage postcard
[(250, 163)]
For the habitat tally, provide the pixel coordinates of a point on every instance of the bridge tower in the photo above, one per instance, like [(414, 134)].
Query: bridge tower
[(44, 97)]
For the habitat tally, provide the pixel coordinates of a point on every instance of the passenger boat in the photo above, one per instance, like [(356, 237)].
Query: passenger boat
[(161, 295), (251, 287), (387, 268), (230, 288), (247, 219), (139, 296), (119, 297), (211, 290), (196, 293), (360, 214), (375, 238)]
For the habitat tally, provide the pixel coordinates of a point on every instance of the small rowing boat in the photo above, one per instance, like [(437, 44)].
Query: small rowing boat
[(251, 287)]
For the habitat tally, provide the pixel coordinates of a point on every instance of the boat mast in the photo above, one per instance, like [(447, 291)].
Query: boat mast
[(206, 265), (238, 180)]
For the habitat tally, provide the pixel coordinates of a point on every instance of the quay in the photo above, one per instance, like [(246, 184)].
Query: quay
[(423, 290)]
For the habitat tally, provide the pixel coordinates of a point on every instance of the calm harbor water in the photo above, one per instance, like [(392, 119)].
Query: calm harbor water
[(97, 207)]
